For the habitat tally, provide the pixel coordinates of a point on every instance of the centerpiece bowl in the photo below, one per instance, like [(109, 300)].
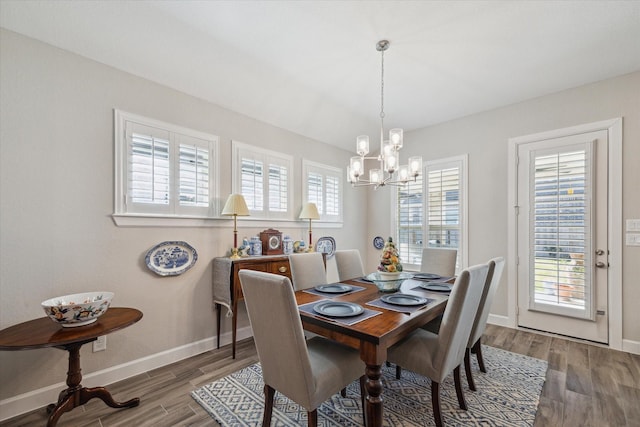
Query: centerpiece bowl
[(388, 282), (77, 309)]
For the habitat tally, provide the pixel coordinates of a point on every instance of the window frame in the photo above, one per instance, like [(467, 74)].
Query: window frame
[(326, 172), (127, 213), (268, 157), (461, 162)]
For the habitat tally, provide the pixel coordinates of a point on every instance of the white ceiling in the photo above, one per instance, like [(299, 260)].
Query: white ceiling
[(311, 66)]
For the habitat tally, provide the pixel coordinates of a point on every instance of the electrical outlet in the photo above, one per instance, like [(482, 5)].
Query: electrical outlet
[(100, 344)]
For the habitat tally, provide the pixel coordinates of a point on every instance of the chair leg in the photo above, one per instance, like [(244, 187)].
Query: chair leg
[(459, 393), (398, 371), (269, 392), (435, 402), (478, 351), (363, 397), (312, 418), (467, 369)]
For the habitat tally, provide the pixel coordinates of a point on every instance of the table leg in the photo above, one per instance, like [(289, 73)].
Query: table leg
[(234, 326), (374, 396), (218, 310), (76, 395)]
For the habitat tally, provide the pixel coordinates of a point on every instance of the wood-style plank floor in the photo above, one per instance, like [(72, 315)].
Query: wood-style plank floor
[(586, 385)]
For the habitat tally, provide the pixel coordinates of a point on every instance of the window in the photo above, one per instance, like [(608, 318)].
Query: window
[(322, 185), (163, 169), (409, 223), (431, 211), (263, 177)]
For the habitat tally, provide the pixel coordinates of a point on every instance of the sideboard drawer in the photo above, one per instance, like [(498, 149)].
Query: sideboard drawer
[(280, 267)]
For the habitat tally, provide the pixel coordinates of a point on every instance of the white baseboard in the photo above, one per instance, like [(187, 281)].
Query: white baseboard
[(631, 346), (32, 400), (495, 319)]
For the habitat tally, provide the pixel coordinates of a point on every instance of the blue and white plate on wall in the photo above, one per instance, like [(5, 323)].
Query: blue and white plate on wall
[(326, 245), (171, 258)]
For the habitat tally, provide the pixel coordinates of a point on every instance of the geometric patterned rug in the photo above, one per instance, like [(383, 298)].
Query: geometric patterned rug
[(507, 395)]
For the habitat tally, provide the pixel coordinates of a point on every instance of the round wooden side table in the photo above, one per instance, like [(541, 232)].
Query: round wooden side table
[(42, 333)]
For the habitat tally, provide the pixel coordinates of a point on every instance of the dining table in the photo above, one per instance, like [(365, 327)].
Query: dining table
[(382, 326)]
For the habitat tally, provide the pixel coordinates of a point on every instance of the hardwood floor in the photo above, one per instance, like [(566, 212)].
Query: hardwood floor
[(586, 385)]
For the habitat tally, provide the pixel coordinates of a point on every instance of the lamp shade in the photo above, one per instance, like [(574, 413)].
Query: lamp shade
[(235, 205), (309, 211)]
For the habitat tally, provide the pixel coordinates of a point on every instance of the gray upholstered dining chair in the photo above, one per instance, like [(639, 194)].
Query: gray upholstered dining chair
[(496, 266), (307, 270), (306, 371), (435, 356), (440, 261), (349, 264)]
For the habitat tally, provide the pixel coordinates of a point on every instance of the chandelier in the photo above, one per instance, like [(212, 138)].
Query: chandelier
[(387, 170)]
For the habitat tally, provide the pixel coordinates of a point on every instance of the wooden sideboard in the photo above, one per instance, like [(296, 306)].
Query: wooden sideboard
[(277, 264)]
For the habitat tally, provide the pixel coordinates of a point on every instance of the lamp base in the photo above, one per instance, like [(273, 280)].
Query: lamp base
[(234, 254)]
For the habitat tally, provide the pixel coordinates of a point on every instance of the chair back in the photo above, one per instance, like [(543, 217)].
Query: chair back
[(277, 332), (349, 264), (439, 261), (458, 318), (307, 270), (496, 266)]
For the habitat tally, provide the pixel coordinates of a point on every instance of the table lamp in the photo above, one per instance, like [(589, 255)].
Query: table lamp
[(235, 206), (310, 212)]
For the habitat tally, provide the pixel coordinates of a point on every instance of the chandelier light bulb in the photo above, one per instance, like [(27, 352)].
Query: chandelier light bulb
[(396, 137), (356, 166), (391, 162), (415, 166), (376, 176), (403, 174), (362, 145), (387, 150)]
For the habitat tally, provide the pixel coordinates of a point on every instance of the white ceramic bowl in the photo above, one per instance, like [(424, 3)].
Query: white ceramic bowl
[(77, 309)]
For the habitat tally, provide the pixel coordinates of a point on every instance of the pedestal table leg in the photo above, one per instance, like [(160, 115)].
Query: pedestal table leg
[(76, 395)]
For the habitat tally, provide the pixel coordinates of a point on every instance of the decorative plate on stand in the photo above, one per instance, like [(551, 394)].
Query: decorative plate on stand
[(171, 258), (326, 245)]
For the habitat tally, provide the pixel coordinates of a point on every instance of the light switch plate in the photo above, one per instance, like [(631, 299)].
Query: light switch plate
[(633, 239), (633, 225)]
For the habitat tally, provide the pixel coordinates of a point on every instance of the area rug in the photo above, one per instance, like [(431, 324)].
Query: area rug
[(507, 395)]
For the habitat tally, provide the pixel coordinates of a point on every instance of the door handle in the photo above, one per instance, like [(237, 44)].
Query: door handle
[(601, 264), (599, 252)]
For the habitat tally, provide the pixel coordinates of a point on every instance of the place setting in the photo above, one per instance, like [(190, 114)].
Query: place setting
[(442, 287), (431, 277), (345, 312), (403, 303), (333, 289)]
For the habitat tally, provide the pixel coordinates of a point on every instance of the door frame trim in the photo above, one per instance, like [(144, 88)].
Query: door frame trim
[(614, 226)]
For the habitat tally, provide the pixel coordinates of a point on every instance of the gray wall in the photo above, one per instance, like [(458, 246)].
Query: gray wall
[(485, 138), (57, 234)]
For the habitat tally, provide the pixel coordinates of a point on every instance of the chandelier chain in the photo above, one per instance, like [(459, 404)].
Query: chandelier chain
[(382, 88)]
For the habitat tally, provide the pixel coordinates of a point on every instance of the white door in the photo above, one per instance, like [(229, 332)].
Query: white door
[(562, 201)]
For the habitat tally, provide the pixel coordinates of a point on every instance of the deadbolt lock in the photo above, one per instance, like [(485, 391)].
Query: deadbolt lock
[(599, 252)]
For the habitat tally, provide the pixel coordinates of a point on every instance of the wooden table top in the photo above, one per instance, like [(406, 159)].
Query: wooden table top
[(43, 332), (382, 330)]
